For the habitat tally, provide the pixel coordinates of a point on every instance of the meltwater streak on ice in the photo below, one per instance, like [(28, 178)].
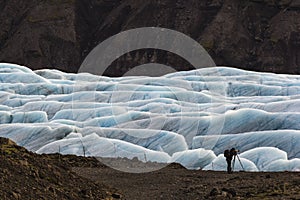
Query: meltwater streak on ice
[(260, 113)]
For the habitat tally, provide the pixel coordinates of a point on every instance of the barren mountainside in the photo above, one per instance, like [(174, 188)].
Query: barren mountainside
[(261, 35)]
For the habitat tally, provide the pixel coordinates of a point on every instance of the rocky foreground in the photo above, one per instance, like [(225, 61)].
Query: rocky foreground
[(25, 175)]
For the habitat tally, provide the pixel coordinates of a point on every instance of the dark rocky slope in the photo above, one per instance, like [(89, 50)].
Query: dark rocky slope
[(25, 175), (261, 35)]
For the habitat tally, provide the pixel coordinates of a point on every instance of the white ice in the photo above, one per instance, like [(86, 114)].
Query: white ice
[(185, 117)]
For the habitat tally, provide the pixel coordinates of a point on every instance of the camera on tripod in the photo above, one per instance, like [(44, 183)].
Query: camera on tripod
[(234, 151)]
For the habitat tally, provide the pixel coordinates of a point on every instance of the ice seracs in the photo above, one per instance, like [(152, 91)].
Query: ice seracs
[(185, 117)]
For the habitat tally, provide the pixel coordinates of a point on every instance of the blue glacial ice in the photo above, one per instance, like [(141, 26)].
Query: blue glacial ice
[(93, 145), (194, 158), (286, 140), (188, 117)]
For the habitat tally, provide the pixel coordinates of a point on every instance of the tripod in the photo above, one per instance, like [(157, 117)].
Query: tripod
[(239, 161)]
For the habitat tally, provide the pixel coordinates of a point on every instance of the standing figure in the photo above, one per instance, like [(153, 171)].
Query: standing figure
[(228, 156)]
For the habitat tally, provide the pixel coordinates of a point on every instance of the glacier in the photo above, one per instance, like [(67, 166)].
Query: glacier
[(187, 117)]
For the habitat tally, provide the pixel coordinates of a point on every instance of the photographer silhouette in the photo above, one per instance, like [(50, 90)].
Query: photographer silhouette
[(229, 154)]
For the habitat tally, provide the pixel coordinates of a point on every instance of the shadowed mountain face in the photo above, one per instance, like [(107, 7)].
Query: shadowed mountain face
[(261, 35)]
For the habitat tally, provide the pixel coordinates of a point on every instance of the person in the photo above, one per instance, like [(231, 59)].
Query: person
[(228, 155)]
